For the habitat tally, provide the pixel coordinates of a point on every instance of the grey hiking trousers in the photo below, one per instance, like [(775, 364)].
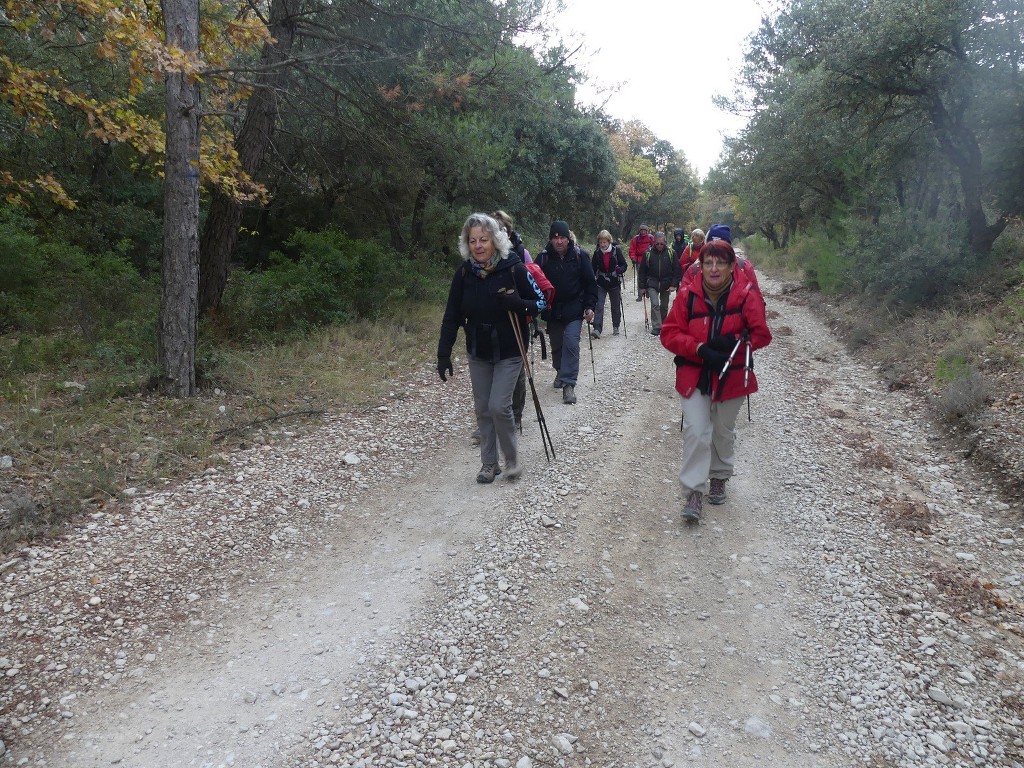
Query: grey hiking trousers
[(493, 384)]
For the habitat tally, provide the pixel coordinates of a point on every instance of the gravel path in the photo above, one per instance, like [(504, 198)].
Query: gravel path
[(352, 597)]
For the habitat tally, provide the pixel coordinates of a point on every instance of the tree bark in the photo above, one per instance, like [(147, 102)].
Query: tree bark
[(179, 266), (220, 233), (419, 232), (960, 145)]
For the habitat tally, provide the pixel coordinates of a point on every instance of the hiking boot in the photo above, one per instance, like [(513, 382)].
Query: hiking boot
[(474, 439), (487, 473), (513, 468), (655, 331), (569, 394), (639, 298), (615, 331), (595, 334), (518, 419), (694, 507), (717, 493), (558, 382)]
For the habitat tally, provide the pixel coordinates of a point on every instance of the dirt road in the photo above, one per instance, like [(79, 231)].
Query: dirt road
[(352, 597)]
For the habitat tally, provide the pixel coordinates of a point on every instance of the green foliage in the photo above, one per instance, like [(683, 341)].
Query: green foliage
[(950, 367), (332, 279), (65, 304), (862, 109), (908, 260), (824, 264)]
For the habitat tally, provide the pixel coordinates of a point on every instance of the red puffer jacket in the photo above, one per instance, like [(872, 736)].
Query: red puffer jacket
[(638, 246), (689, 324)]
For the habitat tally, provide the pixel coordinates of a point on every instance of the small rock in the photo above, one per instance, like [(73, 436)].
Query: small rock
[(562, 744), (579, 605), (696, 729), (755, 726)]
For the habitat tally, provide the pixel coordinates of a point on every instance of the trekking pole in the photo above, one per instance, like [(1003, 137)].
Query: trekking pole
[(545, 435), (622, 316), (647, 324), (746, 378), (591, 340), (728, 362), (746, 367)]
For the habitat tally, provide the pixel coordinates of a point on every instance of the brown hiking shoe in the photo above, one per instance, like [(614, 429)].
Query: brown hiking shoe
[(487, 473), (694, 507), (716, 495)]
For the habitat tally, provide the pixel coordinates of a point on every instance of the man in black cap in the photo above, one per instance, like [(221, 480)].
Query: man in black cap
[(568, 268)]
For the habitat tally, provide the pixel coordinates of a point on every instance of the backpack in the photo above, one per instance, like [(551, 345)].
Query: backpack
[(542, 281)]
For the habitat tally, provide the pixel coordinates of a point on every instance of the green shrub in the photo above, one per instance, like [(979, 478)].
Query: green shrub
[(825, 266), (908, 261), (951, 367), (332, 279)]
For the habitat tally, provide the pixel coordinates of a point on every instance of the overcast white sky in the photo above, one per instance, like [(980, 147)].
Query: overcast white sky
[(671, 57)]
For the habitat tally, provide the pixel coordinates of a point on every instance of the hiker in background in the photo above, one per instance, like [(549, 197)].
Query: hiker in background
[(638, 246), (709, 319), (692, 273), (513, 237), (659, 276), (678, 242), (489, 284), (609, 266), (692, 250), (568, 268)]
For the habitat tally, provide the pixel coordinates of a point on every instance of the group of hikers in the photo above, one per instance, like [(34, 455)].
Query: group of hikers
[(712, 328)]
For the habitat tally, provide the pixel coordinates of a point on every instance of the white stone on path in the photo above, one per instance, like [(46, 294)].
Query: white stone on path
[(755, 726)]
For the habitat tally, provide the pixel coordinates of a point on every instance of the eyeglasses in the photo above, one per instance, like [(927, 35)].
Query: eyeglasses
[(714, 262)]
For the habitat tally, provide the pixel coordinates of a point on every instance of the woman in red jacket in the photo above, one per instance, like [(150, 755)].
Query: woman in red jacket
[(710, 319)]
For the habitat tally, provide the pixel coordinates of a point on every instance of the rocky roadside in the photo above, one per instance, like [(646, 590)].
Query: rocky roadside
[(857, 600)]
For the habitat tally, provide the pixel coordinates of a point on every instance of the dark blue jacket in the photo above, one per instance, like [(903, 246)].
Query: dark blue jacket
[(572, 276)]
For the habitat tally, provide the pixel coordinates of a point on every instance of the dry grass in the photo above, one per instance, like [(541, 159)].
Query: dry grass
[(75, 451), (967, 592), (907, 515)]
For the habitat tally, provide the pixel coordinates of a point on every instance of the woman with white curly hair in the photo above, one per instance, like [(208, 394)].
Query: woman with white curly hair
[(490, 289)]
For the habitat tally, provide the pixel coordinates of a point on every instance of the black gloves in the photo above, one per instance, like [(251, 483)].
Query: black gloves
[(444, 364), (513, 302), (723, 343), (713, 356)]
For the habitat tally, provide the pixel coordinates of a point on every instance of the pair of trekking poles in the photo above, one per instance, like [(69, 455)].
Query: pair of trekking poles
[(545, 435), (743, 340)]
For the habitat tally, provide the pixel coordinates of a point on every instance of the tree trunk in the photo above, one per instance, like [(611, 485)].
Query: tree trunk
[(220, 233), (179, 266), (419, 234), (960, 145), (394, 224)]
